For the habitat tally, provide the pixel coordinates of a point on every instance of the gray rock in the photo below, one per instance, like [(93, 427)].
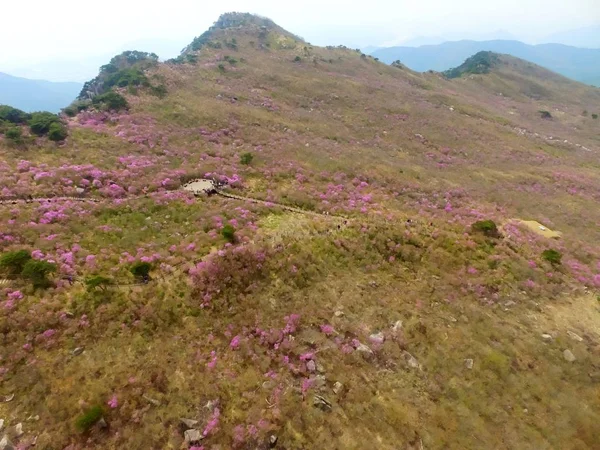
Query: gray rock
[(469, 363), (19, 430), (411, 360), (574, 336), (9, 398), (311, 366), (190, 423), (79, 190), (569, 356), (322, 403), (1, 424), (78, 351), (272, 441), (102, 423), (547, 337), (364, 349), (337, 387), (192, 436), (5, 444), (377, 338), (397, 326), (338, 313)]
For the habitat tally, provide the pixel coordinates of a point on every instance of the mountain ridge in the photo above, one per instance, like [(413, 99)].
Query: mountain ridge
[(36, 95), (375, 270), (577, 63)]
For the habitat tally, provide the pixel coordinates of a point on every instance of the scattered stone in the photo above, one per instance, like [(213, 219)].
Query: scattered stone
[(469, 363), (190, 423), (547, 337), (5, 444), (151, 400), (79, 190), (33, 418), (78, 351), (593, 375), (320, 368), (272, 441), (337, 387), (574, 336), (363, 349), (411, 360), (338, 313), (322, 403), (192, 436), (1, 424), (9, 398), (269, 384), (311, 366), (19, 430), (397, 326), (69, 314), (569, 356), (102, 423), (377, 338)]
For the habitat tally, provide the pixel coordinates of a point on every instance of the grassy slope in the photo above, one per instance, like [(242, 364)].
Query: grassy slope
[(334, 132)]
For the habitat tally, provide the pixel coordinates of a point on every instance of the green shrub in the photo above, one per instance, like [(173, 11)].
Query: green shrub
[(480, 63), (594, 116), (88, 418), (221, 68), (14, 134), (37, 272), (57, 132), (141, 270), (13, 115), (297, 59), (545, 114), (228, 233), (160, 91), (97, 281), (13, 262), (246, 158), (41, 122), (554, 257), (111, 101), (486, 227)]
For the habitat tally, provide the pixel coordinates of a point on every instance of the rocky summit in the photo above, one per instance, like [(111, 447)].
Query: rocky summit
[(364, 257)]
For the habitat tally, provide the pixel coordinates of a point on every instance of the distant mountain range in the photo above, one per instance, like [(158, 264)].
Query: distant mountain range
[(581, 64), (36, 95)]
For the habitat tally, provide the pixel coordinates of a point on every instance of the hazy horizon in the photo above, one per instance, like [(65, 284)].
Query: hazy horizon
[(71, 34)]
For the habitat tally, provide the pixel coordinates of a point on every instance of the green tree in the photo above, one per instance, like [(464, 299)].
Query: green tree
[(246, 158), (554, 257), (594, 116), (228, 232), (13, 115), (141, 270), (40, 122), (13, 262), (486, 227), (14, 134), (97, 281), (88, 418), (37, 272), (111, 101), (57, 132)]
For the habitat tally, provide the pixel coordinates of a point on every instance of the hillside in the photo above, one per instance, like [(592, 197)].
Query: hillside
[(581, 64), (36, 95), (387, 259)]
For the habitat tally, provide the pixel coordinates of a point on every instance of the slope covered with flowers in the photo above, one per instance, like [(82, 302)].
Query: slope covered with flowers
[(399, 325)]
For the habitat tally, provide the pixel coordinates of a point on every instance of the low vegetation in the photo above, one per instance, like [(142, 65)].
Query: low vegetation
[(480, 63), (408, 302)]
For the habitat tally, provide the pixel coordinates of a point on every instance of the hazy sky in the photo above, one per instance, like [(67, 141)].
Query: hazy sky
[(40, 30)]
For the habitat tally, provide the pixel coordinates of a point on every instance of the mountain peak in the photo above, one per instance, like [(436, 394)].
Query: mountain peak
[(236, 21)]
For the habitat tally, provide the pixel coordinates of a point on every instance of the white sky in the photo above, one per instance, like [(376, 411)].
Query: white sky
[(33, 31)]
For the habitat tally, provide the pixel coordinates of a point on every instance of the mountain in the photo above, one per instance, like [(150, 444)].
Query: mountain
[(381, 259), (576, 63), (36, 95), (588, 37)]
